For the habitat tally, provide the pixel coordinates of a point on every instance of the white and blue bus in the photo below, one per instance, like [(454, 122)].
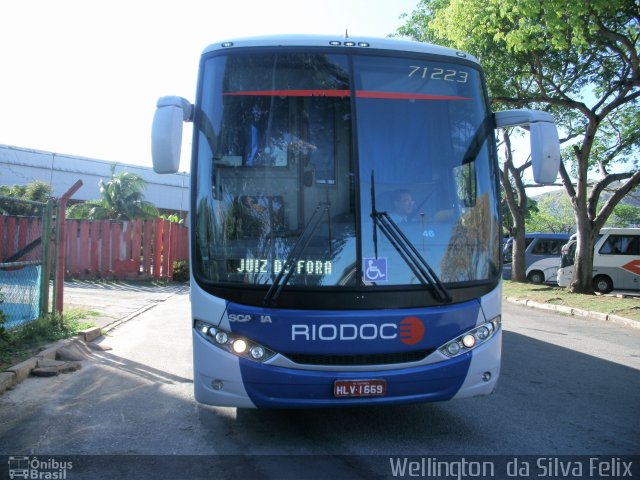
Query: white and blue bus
[(345, 221)]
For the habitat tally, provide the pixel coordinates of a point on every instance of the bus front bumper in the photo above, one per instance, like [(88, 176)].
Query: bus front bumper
[(227, 380)]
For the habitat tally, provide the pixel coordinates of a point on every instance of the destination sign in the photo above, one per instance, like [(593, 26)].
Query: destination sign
[(302, 267)]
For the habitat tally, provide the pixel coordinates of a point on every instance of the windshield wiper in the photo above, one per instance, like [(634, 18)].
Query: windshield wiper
[(290, 263), (411, 256)]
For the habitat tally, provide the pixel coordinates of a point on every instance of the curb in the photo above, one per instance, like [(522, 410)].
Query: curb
[(19, 372), (606, 317), (131, 316)]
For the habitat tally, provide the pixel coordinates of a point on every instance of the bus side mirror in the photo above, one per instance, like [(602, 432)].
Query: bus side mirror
[(543, 135), (166, 133)]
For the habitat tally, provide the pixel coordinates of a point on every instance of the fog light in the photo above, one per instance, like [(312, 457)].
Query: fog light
[(486, 376), (468, 341), (217, 384), (222, 338), (453, 348), (239, 346)]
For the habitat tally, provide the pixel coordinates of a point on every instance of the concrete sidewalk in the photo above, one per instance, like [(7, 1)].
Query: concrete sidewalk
[(113, 302), (116, 301)]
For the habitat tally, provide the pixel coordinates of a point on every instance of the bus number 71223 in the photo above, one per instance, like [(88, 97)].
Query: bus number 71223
[(437, 73)]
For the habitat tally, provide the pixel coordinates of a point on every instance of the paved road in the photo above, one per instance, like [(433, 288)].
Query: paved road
[(569, 386)]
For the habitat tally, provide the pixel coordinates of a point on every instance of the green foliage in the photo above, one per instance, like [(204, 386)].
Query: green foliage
[(3, 332), (121, 199), (181, 271), (37, 191), (19, 343), (173, 218), (3, 320), (554, 214), (625, 216), (417, 24)]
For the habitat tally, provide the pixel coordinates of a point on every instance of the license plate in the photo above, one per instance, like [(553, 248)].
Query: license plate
[(359, 388)]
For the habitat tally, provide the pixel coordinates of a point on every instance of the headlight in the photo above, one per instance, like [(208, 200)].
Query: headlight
[(232, 343), (471, 339)]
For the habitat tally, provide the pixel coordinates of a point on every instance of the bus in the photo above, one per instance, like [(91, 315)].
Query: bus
[(308, 288), (616, 260), (541, 256)]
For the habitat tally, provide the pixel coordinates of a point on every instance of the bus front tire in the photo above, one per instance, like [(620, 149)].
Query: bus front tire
[(536, 276), (602, 284)]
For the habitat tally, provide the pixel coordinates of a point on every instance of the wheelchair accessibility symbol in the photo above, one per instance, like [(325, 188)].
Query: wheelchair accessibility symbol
[(375, 269)]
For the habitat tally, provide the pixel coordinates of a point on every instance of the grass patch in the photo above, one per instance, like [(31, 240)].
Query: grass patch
[(625, 307), (22, 342)]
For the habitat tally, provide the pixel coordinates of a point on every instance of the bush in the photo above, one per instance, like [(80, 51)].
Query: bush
[(3, 319), (181, 271), (23, 341), (3, 333)]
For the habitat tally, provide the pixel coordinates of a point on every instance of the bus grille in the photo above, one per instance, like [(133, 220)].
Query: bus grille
[(363, 359)]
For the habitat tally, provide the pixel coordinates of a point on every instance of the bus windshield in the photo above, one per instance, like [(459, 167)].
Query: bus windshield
[(296, 153)]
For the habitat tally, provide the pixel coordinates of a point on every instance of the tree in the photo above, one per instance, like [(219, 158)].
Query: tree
[(507, 216), (575, 58), (516, 198), (37, 191), (121, 199)]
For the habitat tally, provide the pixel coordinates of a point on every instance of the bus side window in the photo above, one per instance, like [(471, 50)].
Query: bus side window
[(634, 246), (615, 245), (547, 247), (555, 247), (540, 248)]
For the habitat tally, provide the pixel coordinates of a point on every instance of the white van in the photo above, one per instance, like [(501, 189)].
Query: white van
[(616, 260), (541, 256)]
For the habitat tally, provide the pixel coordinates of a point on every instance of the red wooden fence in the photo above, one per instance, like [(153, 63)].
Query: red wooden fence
[(138, 249), (18, 232)]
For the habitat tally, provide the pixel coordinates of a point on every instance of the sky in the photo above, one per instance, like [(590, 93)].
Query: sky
[(83, 77)]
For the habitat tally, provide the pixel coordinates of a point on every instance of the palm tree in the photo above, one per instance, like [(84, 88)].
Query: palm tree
[(121, 199), (37, 191)]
